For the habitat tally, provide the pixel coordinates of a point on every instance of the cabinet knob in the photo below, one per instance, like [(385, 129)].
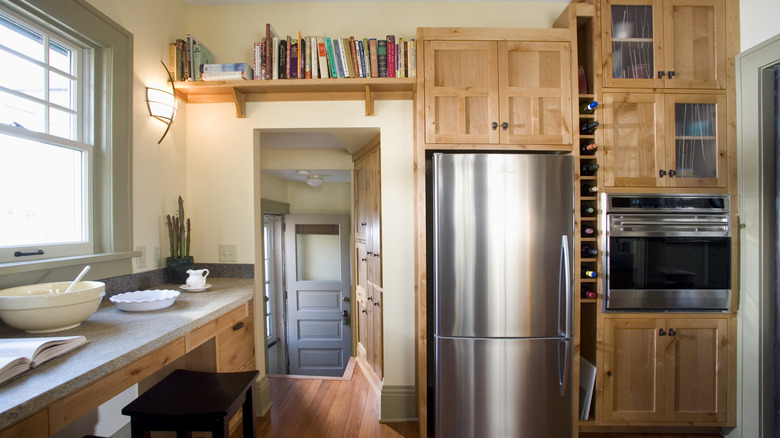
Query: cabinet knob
[(495, 125), (364, 311), (661, 332), (661, 173), (672, 332), (363, 224), (376, 303), (609, 373), (661, 74), (369, 253), (376, 254), (370, 298), (363, 259), (670, 74), (505, 126), (672, 173)]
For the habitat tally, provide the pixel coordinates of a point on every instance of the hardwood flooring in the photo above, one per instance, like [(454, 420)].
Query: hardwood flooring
[(318, 408)]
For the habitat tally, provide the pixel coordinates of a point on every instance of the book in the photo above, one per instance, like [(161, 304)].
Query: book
[(322, 53), (226, 75), (18, 355), (355, 60), (362, 57), (412, 58), (337, 58), (236, 66), (270, 34), (282, 59), (275, 58), (294, 65), (199, 55), (331, 57), (287, 57), (257, 57), (401, 72), (312, 56), (367, 57), (381, 54), (391, 56), (346, 58), (374, 56)]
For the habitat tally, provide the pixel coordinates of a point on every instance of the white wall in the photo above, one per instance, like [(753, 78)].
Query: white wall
[(758, 21)]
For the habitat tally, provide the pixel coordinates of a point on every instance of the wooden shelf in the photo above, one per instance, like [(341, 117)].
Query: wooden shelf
[(296, 90)]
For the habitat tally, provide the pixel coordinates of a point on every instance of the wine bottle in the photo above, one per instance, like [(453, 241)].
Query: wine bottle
[(588, 128), (588, 149), (589, 190), (589, 251), (587, 273), (588, 107), (588, 231), (587, 210), (587, 293), (589, 168)]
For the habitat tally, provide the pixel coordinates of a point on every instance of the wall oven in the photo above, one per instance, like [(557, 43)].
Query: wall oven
[(667, 253)]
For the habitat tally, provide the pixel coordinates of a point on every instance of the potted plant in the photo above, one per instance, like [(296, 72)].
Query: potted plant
[(179, 234)]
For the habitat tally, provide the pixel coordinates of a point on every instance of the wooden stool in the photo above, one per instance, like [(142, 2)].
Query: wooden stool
[(193, 401)]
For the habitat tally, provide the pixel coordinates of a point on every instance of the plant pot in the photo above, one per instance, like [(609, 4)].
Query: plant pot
[(177, 268)]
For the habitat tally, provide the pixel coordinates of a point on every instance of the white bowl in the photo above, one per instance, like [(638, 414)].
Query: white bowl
[(45, 307), (144, 300)]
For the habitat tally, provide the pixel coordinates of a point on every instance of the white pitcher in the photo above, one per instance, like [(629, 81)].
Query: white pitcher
[(197, 278)]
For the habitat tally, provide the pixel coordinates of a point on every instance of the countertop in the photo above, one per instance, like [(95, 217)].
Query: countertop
[(114, 339)]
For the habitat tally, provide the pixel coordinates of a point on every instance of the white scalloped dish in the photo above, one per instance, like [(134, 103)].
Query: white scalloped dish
[(145, 300)]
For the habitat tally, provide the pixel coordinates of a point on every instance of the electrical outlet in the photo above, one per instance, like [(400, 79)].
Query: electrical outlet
[(140, 261), (157, 257), (227, 253)]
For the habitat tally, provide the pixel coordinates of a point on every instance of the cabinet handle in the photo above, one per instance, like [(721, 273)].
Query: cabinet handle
[(505, 126), (370, 298), (363, 224), (609, 373), (661, 332), (376, 303), (363, 259), (376, 255), (364, 311), (369, 252), (672, 332), (495, 125), (672, 173), (661, 74), (670, 74), (238, 326), (661, 173)]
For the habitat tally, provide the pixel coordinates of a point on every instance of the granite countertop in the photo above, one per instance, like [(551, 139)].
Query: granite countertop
[(114, 339)]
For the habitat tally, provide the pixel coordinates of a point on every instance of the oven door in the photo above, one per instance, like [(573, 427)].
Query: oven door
[(686, 272)]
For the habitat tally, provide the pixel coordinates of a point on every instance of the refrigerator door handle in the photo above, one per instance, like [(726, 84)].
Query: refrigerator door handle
[(564, 290), (564, 348)]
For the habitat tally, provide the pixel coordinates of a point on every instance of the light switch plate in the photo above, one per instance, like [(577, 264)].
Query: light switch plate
[(140, 261), (227, 253)]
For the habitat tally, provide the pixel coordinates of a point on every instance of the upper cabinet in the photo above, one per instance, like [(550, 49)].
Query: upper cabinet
[(497, 92), (664, 43)]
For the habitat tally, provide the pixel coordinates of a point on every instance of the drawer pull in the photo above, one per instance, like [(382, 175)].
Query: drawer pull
[(238, 326)]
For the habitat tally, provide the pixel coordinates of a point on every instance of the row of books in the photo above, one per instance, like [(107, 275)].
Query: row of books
[(187, 58), (307, 57)]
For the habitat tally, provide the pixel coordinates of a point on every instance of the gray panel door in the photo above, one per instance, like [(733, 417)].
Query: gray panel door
[(318, 293)]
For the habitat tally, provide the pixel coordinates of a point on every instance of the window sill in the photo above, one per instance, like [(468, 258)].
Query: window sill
[(61, 269)]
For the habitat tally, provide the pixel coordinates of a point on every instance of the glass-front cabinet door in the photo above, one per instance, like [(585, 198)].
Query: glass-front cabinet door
[(632, 50), (695, 148), (665, 43)]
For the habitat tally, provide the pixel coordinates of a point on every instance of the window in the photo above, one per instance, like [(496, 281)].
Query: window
[(65, 141), (268, 273), (45, 139)]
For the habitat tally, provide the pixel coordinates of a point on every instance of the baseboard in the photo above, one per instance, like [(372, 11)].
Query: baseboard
[(397, 403), (262, 396)]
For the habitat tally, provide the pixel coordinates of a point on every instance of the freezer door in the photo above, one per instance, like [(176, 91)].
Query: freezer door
[(499, 225), (503, 388)]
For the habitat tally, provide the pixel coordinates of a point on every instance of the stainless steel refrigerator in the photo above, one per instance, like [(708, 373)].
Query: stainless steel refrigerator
[(502, 232)]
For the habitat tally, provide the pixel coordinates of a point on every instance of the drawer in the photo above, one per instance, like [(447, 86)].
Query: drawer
[(235, 345)]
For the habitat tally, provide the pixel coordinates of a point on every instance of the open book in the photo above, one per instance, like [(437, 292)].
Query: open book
[(21, 354)]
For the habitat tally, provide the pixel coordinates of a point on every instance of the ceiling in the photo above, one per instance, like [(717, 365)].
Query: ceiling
[(348, 139), (236, 2)]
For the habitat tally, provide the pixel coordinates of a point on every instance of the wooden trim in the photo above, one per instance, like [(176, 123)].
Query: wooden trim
[(489, 34), (34, 426), (367, 148)]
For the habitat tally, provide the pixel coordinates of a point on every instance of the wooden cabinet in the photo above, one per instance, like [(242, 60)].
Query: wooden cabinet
[(664, 140), (368, 255), (235, 344), (664, 43), (498, 92), (665, 370)]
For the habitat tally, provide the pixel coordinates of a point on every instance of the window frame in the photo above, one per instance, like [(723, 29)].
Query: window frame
[(111, 208)]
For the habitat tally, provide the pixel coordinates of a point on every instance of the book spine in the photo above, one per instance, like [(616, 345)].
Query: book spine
[(275, 58), (240, 66), (294, 66), (283, 59), (226, 75), (381, 54), (401, 58), (354, 55), (270, 34), (331, 57), (413, 58), (313, 49), (323, 57), (374, 56), (391, 56), (346, 58), (366, 58), (172, 60), (338, 52), (362, 58), (300, 56), (287, 55)]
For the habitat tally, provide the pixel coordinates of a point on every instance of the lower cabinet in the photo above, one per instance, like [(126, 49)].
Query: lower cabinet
[(666, 370)]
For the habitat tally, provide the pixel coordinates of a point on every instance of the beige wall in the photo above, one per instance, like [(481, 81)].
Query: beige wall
[(758, 21)]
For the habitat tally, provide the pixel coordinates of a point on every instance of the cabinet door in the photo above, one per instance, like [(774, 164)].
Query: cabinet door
[(361, 219), (695, 150), (236, 345), (461, 92), (376, 320), (535, 93), (374, 216), (363, 328), (633, 139), (696, 364), (695, 43), (633, 372), (633, 31)]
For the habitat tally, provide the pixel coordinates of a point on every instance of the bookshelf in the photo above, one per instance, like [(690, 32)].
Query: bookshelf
[(296, 90)]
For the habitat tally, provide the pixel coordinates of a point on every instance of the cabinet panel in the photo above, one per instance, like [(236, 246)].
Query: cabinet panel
[(460, 92), (632, 372), (632, 43), (235, 345), (695, 42), (361, 214), (535, 92), (634, 129)]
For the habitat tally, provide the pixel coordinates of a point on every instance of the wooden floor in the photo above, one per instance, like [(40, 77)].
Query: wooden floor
[(314, 408)]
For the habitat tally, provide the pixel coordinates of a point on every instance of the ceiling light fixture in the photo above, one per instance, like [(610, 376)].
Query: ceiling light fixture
[(315, 180)]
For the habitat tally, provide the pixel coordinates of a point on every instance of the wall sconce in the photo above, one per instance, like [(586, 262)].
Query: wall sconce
[(312, 179), (162, 104)]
